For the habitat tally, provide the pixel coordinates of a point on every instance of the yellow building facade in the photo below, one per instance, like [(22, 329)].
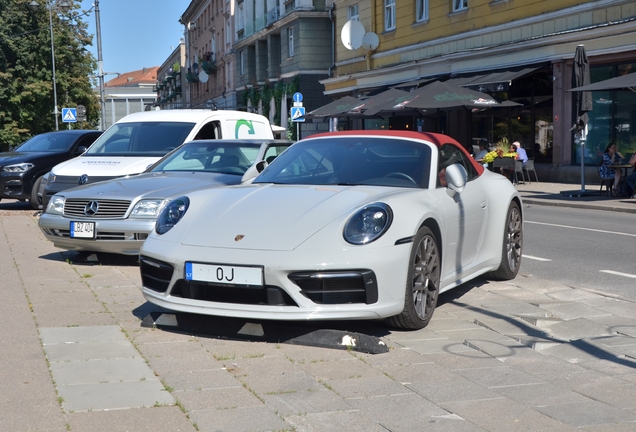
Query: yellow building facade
[(527, 44)]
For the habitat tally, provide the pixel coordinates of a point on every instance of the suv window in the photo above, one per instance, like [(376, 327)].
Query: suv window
[(142, 138)]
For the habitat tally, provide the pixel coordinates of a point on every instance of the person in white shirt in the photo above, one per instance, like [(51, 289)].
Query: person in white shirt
[(521, 153)]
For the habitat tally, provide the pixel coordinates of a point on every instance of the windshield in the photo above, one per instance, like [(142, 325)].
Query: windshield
[(352, 161), (52, 142), (213, 156), (141, 139)]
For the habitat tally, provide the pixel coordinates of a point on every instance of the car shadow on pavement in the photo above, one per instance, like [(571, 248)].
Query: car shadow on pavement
[(357, 335), (93, 258)]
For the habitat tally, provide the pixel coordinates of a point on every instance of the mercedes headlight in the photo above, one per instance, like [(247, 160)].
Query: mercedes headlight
[(368, 224), (18, 168), (171, 214), (56, 205), (146, 208)]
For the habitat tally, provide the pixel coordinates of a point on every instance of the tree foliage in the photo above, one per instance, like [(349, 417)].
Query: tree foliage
[(26, 71)]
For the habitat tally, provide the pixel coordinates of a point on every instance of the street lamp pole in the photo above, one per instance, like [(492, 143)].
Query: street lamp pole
[(55, 112), (100, 66), (64, 5)]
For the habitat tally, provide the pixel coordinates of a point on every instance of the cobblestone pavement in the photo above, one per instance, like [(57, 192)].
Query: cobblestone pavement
[(77, 354)]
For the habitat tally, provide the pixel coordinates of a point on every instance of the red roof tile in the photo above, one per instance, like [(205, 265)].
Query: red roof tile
[(133, 79)]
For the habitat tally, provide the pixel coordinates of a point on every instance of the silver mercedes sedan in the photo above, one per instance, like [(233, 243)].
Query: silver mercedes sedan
[(115, 216)]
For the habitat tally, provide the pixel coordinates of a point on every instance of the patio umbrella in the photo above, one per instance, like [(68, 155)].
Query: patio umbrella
[(622, 82), (582, 101), (335, 108), (436, 95), (388, 98)]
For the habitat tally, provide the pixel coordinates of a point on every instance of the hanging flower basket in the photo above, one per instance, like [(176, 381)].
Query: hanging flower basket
[(192, 77), (208, 67)]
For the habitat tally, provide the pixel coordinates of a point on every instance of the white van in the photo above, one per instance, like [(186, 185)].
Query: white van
[(138, 140)]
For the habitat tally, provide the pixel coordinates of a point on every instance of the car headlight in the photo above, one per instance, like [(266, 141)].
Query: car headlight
[(18, 168), (146, 208), (368, 224), (56, 205), (171, 214), (51, 178), (45, 179)]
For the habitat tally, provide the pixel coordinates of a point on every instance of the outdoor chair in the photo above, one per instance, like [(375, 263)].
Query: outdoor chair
[(519, 170), (608, 183), (530, 168)]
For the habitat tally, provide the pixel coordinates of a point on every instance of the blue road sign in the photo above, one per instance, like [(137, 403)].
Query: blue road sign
[(298, 114), (69, 115), (298, 97)]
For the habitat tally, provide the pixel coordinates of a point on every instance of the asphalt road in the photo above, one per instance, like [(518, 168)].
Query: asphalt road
[(581, 248)]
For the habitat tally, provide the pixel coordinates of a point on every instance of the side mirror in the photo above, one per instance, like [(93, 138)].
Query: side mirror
[(456, 177), (80, 150), (261, 165), (253, 171)]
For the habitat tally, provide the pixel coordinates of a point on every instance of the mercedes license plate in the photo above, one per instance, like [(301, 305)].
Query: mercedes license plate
[(83, 230), (224, 274)]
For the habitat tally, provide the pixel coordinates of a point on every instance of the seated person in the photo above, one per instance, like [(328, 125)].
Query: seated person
[(483, 151), (630, 180), (521, 153), (611, 157)]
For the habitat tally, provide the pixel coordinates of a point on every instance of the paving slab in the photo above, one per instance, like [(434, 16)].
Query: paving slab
[(576, 329), (505, 415), (588, 413)]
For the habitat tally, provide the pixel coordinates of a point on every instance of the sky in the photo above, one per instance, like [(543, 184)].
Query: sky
[(135, 33)]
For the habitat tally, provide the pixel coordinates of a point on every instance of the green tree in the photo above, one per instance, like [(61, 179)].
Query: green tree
[(26, 72)]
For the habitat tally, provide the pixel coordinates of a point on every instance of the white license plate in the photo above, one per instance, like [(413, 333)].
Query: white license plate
[(83, 229), (225, 274)]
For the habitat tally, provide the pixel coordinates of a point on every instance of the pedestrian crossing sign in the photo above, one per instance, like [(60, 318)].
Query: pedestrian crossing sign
[(298, 114), (69, 115)]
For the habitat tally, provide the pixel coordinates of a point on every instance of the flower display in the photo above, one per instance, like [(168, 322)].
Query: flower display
[(502, 149)]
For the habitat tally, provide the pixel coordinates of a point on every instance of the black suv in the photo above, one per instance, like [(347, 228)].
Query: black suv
[(21, 170)]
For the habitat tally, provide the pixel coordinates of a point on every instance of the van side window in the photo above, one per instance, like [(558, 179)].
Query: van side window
[(210, 130)]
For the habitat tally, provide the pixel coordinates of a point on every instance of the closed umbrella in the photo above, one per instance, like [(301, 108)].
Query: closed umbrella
[(582, 101)]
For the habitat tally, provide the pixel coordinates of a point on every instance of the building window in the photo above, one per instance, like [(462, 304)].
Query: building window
[(389, 15), (290, 37), (241, 17), (228, 33), (354, 13), (460, 5), (242, 62), (421, 10)]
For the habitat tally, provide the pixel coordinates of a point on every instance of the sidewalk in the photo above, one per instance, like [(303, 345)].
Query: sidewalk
[(76, 354), (551, 194)]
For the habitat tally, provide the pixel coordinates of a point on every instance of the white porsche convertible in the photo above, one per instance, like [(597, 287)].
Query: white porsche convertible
[(343, 225)]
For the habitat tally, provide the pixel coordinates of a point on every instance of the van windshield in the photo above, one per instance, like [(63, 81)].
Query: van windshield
[(141, 139)]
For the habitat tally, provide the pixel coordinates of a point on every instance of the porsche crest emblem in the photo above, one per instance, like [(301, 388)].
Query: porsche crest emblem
[(239, 237)]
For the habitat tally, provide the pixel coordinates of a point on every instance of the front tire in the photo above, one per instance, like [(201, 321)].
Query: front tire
[(35, 202), (422, 285), (511, 246)]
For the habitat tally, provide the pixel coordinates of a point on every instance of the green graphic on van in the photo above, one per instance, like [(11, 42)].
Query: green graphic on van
[(242, 122)]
